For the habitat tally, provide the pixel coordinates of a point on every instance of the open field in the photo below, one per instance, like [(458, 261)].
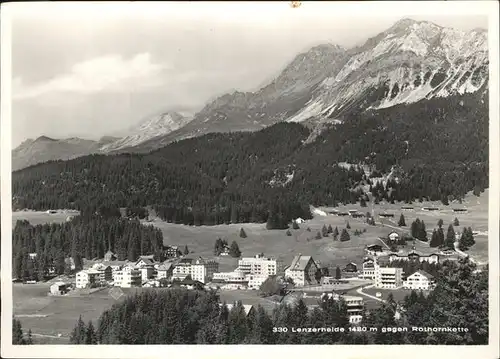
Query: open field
[(49, 316), (37, 217)]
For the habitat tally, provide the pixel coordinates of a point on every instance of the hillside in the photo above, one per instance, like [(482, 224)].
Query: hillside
[(439, 148)]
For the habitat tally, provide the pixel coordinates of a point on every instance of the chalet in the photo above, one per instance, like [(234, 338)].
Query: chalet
[(415, 256), (32, 256), (386, 215), (164, 270), (342, 214), (368, 269), (302, 270), (430, 209), (110, 256), (51, 211), (355, 305), (357, 215), (59, 288), (420, 280), (351, 211), (406, 208), (351, 268), (393, 236), (145, 261), (460, 210), (106, 272)]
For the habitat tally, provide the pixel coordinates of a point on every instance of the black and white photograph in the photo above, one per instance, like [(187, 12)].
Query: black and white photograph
[(256, 178)]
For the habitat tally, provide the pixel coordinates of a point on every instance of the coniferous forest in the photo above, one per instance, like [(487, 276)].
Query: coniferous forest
[(460, 300), (83, 237), (438, 148)]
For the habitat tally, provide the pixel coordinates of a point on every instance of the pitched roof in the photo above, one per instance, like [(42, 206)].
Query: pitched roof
[(425, 274), (300, 262), (146, 259), (165, 266)]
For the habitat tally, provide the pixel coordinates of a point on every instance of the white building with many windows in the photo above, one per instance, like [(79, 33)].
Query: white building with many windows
[(203, 270), (127, 277), (420, 280), (388, 277), (260, 265), (87, 277)]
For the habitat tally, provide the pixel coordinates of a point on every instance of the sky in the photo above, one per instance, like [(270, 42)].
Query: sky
[(98, 70)]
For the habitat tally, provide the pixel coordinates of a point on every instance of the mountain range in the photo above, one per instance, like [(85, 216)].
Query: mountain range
[(412, 61)]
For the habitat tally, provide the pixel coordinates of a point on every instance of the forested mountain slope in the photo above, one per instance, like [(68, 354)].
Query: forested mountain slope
[(439, 147)]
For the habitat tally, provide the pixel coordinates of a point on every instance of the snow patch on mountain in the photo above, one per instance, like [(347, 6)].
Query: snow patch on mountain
[(159, 125), (311, 110)]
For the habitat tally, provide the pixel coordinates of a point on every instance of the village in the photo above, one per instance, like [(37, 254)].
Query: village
[(303, 278)]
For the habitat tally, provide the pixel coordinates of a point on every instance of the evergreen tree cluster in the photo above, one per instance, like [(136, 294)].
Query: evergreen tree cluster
[(83, 237), (234, 250), (460, 299), (437, 239), (18, 337), (466, 239), (418, 230), (220, 245)]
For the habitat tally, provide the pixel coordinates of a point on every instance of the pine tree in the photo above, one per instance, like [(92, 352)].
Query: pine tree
[(218, 247), (186, 250), (308, 229), (348, 226), (344, 236), (335, 234), (324, 231), (456, 223), (90, 335), (450, 238), (462, 242), (434, 240), (318, 235), (242, 233), (338, 273), (422, 234), (234, 250), (440, 235), (17, 332), (330, 229), (440, 223), (78, 335), (402, 222), (29, 341), (288, 233)]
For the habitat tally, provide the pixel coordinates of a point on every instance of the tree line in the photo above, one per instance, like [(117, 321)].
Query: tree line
[(83, 237), (196, 317)]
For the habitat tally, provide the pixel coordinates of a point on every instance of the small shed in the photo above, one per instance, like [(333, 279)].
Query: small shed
[(59, 288)]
